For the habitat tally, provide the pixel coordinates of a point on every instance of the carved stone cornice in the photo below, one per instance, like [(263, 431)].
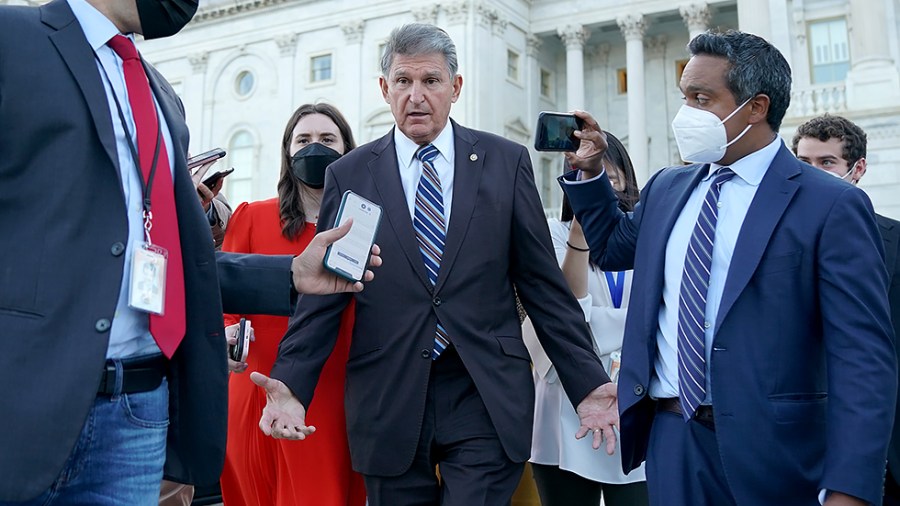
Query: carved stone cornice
[(633, 26), (234, 8), (427, 14), (199, 61), (655, 47), (533, 44), (457, 11), (696, 16), (287, 43), (573, 36), (353, 31)]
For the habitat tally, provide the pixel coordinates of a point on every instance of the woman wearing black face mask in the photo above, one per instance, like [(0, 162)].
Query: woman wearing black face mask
[(260, 470)]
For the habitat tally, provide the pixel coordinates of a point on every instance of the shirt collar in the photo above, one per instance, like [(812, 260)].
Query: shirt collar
[(752, 167), (406, 147), (98, 29)]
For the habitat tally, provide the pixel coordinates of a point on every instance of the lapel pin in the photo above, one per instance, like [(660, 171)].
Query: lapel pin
[(473, 157)]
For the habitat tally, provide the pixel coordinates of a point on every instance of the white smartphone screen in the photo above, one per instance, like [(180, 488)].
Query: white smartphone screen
[(348, 255)]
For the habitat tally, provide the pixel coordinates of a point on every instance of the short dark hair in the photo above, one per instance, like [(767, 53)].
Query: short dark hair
[(757, 67), (416, 39), (615, 154), (290, 190), (834, 127)]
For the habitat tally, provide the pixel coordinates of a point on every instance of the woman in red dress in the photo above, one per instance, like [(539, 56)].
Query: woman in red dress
[(260, 470)]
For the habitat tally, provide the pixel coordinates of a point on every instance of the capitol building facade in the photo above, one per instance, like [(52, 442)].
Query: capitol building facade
[(242, 66)]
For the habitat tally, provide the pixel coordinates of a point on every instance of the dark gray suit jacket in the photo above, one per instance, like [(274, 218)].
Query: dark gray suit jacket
[(63, 225), (497, 238), (890, 235)]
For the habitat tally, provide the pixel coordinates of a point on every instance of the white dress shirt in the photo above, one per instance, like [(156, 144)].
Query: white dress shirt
[(130, 334), (411, 168), (734, 201)]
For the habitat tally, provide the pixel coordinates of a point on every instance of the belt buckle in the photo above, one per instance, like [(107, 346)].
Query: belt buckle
[(108, 380)]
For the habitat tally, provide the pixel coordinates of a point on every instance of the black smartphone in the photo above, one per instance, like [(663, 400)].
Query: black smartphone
[(213, 180), (556, 131), (349, 255), (203, 158), (238, 351)]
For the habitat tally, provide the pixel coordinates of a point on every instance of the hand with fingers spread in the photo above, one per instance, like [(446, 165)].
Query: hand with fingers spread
[(231, 340), (310, 275), (591, 149), (599, 415), (284, 417)]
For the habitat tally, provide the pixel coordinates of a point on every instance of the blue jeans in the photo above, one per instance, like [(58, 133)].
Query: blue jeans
[(119, 456)]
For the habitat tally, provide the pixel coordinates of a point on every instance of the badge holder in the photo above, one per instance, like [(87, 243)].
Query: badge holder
[(148, 273)]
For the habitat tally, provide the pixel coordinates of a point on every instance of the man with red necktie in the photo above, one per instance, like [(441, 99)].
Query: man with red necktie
[(112, 354)]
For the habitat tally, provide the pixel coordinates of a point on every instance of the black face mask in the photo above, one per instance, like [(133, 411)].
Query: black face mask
[(162, 18), (308, 165)]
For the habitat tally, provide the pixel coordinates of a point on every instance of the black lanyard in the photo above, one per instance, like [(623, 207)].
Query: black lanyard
[(146, 187)]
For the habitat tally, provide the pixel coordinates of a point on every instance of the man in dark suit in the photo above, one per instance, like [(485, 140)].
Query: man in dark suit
[(838, 146), (91, 407), (758, 365), (438, 373)]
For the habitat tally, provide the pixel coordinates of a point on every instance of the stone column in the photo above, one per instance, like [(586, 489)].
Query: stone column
[(353, 35), (696, 18), (633, 28), (574, 37), (753, 17), (873, 80)]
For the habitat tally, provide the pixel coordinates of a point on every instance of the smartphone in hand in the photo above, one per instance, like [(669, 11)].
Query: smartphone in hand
[(213, 180), (204, 158), (238, 351), (556, 131), (349, 255)]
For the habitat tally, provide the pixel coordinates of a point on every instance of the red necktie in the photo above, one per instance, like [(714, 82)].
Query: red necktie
[(168, 329)]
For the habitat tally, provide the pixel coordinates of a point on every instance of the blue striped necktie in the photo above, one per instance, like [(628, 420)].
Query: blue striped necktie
[(692, 322), (428, 220)]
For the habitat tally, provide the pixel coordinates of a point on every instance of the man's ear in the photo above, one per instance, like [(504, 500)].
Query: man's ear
[(382, 82), (859, 171), (759, 109)]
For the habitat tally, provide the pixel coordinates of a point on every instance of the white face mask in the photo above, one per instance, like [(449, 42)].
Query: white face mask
[(845, 176), (701, 135)]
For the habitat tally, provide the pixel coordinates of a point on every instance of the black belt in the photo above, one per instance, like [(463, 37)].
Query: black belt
[(139, 374), (704, 413)]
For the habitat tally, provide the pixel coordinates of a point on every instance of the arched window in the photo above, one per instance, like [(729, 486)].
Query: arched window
[(241, 156)]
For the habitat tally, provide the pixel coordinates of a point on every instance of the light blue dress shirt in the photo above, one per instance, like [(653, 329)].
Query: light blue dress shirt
[(734, 202), (130, 333), (411, 168)]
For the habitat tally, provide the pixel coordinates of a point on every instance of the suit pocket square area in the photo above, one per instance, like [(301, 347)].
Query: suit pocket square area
[(799, 408), (782, 262), (514, 347)]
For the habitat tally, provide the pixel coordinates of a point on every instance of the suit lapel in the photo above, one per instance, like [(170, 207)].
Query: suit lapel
[(889, 236), (75, 51), (772, 197), (669, 203), (466, 177), (386, 176)]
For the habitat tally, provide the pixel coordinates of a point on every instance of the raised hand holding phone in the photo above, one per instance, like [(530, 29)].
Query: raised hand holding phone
[(349, 255)]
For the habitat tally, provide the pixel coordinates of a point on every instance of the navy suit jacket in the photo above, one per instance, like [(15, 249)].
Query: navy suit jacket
[(497, 238), (63, 226), (803, 370), (890, 235)]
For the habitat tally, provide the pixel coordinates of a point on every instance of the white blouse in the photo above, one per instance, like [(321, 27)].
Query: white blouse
[(555, 420)]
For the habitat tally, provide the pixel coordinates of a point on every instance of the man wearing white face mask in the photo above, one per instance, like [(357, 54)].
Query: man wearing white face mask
[(758, 365), (838, 146)]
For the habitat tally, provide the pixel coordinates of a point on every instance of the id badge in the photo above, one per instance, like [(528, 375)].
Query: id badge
[(148, 278)]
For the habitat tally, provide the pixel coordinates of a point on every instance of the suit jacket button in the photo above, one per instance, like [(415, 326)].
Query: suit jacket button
[(426, 353), (117, 249), (639, 390), (436, 301), (102, 325)]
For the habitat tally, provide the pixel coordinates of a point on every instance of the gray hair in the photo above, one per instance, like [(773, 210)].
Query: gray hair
[(417, 39), (756, 67)]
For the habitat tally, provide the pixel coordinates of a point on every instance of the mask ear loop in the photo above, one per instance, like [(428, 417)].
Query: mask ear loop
[(738, 137)]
